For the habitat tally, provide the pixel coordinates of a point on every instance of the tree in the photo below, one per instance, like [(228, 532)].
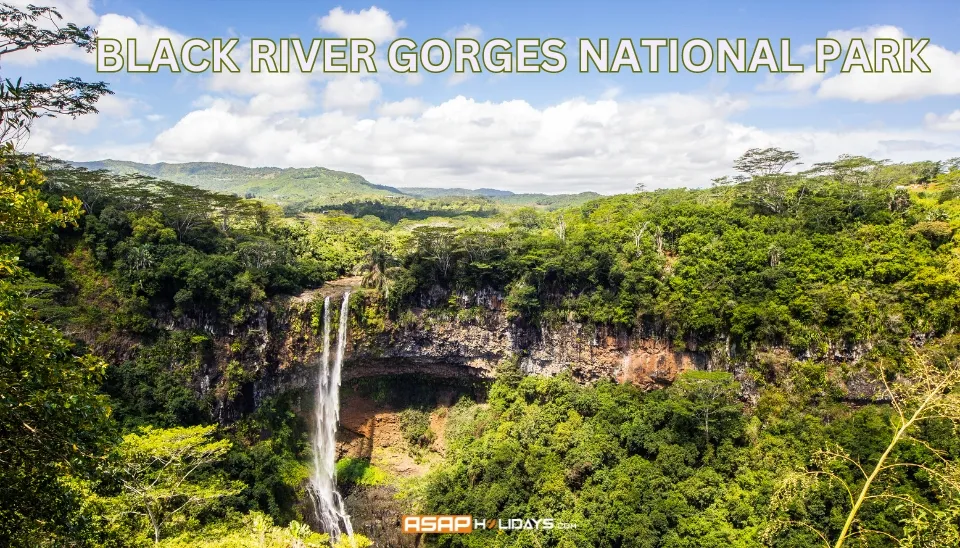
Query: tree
[(710, 397), (926, 396), (375, 267), (23, 103), (637, 234), (23, 211), (96, 188), (847, 169), (758, 162), (164, 473), (561, 228), (354, 541), (437, 244), (53, 423)]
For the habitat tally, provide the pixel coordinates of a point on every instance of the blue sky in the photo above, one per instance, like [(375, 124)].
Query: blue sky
[(523, 132)]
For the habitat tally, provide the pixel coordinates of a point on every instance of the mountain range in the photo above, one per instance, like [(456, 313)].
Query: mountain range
[(315, 185)]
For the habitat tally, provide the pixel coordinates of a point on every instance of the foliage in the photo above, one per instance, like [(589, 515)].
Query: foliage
[(415, 424), (53, 421), (175, 249), (23, 103), (628, 468), (770, 259), (269, 456), (926, 403), (23, 212), (353, 471), (164, 474), (253, 530), (779, 275)]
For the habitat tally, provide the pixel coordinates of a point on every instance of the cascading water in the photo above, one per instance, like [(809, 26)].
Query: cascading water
[(331, 514)]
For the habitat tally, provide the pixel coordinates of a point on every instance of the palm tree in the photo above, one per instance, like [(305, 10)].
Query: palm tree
[(376, 263)]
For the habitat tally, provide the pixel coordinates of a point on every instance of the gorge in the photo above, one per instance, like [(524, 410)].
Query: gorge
[(684, 351)]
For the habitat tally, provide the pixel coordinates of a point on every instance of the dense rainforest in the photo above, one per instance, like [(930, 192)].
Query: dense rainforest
[(825, 298), (854, 260)]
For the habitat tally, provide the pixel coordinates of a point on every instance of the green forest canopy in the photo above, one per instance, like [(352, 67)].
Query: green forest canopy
[(835, 257), (783, 274)]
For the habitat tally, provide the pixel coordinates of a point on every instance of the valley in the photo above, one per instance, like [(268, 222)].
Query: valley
[(688, 354), (707, 341)]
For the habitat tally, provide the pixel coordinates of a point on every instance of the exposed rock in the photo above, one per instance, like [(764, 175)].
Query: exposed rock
[(448, 346), (278, 350), (376, 513), (653, 364)]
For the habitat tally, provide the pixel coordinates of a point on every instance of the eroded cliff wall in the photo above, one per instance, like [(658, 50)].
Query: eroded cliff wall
[(279, 350)]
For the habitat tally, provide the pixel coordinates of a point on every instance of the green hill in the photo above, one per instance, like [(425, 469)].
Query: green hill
[(425, 192), (505, 197), (282, 185), (548, 201), (317, 186)]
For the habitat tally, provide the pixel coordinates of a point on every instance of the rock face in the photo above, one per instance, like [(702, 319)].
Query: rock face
[(444, 345), (278, 350)]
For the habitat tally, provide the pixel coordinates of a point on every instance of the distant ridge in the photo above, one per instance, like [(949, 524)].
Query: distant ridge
[(315, 185), (425, 192), (282, 185)]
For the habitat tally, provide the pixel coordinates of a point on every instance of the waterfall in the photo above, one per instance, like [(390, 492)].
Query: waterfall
[(331, 514)]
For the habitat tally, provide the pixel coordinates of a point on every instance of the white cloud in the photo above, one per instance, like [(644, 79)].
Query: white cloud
[(73, 11), (611, 92), (350, 94), (605, 145), (465, 31), (114, 106), (121, 27), (943, 78), (373, 23), (946, 122), (265, 93), (48, 135), (218, 130), (796, 82), (407, 107)]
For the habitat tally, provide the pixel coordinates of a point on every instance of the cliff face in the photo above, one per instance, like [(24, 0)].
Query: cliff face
[(447, 345), (279, 351)]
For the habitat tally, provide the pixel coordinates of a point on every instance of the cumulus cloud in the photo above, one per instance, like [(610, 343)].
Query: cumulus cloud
[(604, 145), (265, 93), (351, 94), (946, 122), (465, 31), (407, 107), (373, 23), (146, 34), (115, 106), (943, 78), (609, 144), (796, 82), (49, 135)]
